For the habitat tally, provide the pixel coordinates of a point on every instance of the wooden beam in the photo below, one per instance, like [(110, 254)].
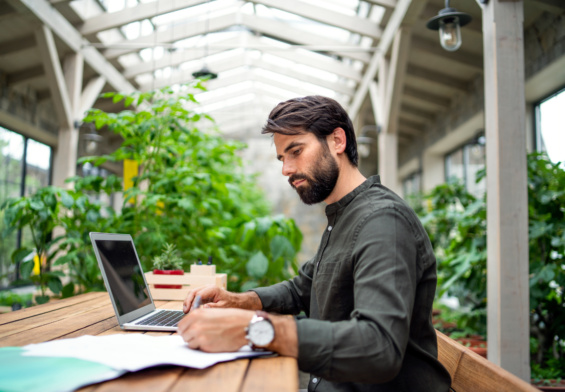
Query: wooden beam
[(247, 41), (508, 316), (106, 21), (438, 78), (25, 75), (401, 11), (395, 78), (424, 114), (90, 94), (54, 72), (73, 71), (426, 96), (17, 45), (48, 15), (384, 3), (553, 6), (388, 160), (434, 48), (352, 23)]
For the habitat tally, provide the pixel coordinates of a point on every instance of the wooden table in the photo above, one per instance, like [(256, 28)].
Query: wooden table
[(92, 314)]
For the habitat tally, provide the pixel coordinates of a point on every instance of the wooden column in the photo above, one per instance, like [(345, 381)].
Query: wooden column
[(507, 199), (65, 87), (388, 160)]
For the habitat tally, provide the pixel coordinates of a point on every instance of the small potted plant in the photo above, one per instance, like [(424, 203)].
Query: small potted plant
[(168, 263)]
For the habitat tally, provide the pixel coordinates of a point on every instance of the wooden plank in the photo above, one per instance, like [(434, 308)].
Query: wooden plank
[(150, 380), (50, 317), (51, 306), (225, 377), (57, 328), (260, 375), (448, 352), (476, 373)]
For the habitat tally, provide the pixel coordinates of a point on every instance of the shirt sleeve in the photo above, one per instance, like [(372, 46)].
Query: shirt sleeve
[(291, 296), (370, 346)]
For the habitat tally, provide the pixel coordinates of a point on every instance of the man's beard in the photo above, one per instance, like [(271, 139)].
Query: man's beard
[(321, 183)]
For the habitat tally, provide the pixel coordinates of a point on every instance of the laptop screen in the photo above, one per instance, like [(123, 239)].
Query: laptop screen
[(124, 275)]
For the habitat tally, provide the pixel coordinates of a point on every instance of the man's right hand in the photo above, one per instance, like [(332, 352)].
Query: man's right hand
[(215, 297)]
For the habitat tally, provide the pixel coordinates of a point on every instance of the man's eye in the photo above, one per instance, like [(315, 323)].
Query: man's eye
[(297, 151)]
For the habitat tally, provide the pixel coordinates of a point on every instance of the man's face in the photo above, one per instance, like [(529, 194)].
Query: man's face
[(311, 169)]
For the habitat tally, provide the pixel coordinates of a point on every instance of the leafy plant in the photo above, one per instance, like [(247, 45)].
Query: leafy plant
[(192, 190), (169, 259), (39, 213), (456, 223)]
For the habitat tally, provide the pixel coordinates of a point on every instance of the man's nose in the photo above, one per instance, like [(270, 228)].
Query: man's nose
[(288, 169)]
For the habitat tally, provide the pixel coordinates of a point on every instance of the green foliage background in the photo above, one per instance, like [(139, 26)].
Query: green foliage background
[(456, 223), (191, 191)]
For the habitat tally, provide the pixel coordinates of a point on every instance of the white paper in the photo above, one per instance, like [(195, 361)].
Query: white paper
[(133, 352)]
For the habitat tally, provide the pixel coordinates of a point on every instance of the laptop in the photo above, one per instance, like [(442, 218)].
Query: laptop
[(126, 284)]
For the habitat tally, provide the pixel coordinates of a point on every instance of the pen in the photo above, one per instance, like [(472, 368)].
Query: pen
[(196, 302)]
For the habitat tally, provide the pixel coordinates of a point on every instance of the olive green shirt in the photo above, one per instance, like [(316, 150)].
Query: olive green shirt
[(368, 297)]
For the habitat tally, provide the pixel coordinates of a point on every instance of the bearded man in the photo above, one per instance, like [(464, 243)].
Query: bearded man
[(367, 293)]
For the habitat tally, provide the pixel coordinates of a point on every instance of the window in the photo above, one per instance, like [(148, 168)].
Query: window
[(464, 163), (550, 131), (25, 167), (411, 184)]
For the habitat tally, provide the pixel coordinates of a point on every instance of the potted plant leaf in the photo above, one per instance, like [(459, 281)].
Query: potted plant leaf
[(168, 263)]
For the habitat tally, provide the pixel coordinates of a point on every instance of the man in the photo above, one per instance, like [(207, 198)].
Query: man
[(367, 293)]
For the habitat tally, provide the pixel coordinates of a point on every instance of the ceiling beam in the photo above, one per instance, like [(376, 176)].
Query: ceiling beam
[(25, 75), (553, 6), (414, 111), (248, 41), (168, 36), (106, 21), (384, 3), (434, 48), (352, 23), (45, 12), (437, 77), (426, 96), (289, 33), (403, 9), (17, 45)]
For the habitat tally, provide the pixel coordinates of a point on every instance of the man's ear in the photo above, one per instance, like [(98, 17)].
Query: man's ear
[(338, 140)]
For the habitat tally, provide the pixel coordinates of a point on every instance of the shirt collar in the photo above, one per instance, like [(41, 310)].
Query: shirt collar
[(345, 200)]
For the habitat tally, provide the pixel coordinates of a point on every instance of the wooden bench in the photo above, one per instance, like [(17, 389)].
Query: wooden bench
[(471, 373)]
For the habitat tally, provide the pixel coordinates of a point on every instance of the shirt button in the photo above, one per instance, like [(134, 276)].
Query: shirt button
[(330, 228), (314, 380)]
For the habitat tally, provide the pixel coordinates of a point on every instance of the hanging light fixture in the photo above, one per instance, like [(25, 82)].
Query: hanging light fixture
[(204, 72), (449, 22)]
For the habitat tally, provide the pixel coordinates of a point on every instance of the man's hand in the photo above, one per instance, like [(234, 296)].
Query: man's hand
[(224, 330), (215, 330), (215, 297)]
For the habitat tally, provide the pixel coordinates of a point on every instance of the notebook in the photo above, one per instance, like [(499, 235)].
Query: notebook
[(126, 284)]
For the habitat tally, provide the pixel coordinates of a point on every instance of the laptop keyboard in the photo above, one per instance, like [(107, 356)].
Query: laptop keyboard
[(167, 318)]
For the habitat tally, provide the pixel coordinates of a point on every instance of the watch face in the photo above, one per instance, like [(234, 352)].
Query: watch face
[(261, 333)]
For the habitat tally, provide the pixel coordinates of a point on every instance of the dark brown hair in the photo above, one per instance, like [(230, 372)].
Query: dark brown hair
[(316, 114)]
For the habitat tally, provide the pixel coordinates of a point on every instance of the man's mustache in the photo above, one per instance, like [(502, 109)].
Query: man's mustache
[(296, 177)]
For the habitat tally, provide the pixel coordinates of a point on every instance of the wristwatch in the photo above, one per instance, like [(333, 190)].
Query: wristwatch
[(260, 331)]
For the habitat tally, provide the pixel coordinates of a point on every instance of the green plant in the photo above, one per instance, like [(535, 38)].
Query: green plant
[(169, 259), (456, 223), (39, 213), (192, 190), (8, 298)]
